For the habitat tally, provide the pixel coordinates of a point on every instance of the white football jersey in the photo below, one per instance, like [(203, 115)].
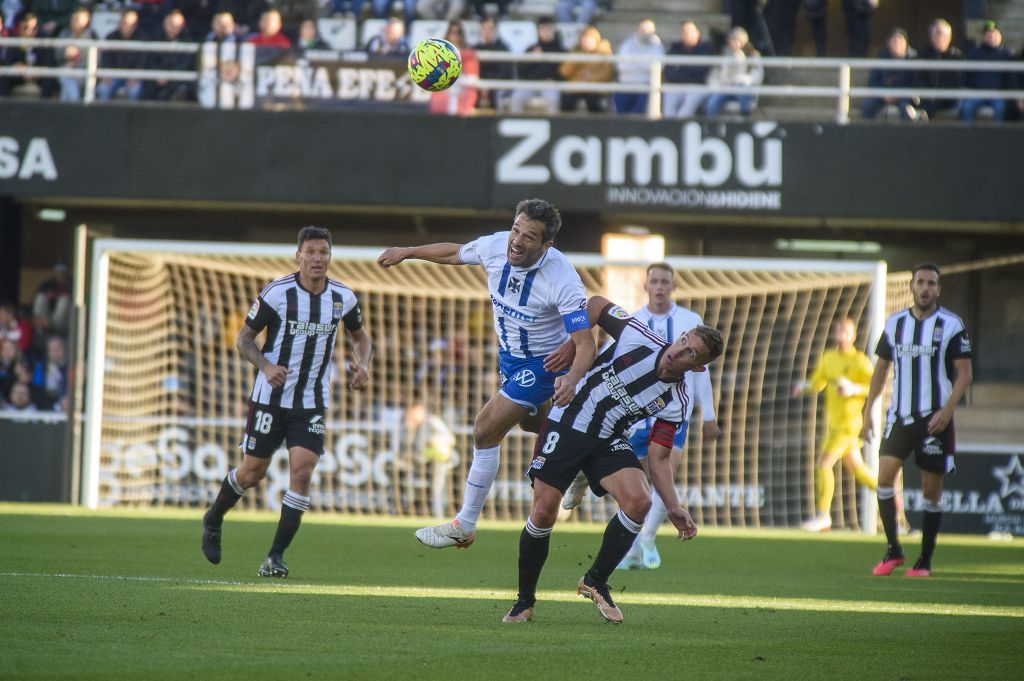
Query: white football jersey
[(669, 326), (535, 307)]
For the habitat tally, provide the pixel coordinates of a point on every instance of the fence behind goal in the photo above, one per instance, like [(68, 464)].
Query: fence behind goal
[(168, 391)]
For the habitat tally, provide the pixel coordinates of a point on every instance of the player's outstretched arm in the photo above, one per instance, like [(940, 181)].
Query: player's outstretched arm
[(441, 253), (878, 377), (659, 467), (247, 348), (359, 368)]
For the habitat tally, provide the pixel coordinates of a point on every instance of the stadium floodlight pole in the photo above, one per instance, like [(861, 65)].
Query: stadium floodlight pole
[(94, 394), (876, 314)]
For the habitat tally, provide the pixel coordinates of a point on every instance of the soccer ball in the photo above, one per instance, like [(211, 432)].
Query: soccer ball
[(435, 64)]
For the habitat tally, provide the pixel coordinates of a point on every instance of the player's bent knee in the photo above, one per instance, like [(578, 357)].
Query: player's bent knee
[(636, 507)]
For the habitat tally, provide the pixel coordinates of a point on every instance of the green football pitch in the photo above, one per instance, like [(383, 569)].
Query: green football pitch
[(128, 595)]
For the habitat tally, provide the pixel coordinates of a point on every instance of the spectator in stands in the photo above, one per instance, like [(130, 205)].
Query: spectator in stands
[(52, 300), (896, 47), (458, 99), (23, 376), (108, 88), (991, 48), (382, 9), (448, 10), (10, 353), (643, 42), (576, 11), (28, 27), (742, 71), (309, 37), (490, 41), (73, 56), (222, 29), (13, 328), (51, 375), (685, 104), (53, 15), (858, 15), (390, 42), (544, 100), (590, 42), (940, 48), (19, 399), (167, 90), (481, 10), (270, 35)]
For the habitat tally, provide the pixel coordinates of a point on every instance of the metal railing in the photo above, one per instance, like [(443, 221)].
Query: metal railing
[(842, 92)]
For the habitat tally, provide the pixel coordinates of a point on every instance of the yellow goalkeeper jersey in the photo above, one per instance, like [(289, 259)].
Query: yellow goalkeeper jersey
[(844, 413)]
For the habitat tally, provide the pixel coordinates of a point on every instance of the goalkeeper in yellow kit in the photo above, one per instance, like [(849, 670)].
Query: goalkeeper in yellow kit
[(844, 374)]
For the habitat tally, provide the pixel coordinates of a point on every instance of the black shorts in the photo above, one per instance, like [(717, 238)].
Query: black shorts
[(562, 452), (931, 452), (267, 427)]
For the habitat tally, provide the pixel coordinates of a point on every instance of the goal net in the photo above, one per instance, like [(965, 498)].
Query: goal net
[(167, 390)]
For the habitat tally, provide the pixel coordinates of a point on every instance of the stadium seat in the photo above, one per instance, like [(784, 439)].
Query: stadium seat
[(518, 35), (338, 32), (370, 28), (472, 29), (105, 23), (570, 33), (426, 28)]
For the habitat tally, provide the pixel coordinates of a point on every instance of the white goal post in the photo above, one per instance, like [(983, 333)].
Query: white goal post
[(166, 390)]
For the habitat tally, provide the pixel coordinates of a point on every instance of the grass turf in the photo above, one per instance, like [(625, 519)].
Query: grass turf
[(128, 595)]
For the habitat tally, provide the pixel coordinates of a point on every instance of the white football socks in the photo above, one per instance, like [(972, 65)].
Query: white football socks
[(655, 517), (481, 476)]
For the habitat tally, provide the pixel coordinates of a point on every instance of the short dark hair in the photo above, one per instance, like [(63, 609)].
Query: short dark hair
[(661, 266), (925, 266), (712, 340), (311, 232), (542, 211)]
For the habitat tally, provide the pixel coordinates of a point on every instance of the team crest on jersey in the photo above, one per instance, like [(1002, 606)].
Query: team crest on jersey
[(338, 309), (254, 310), (937, 334), (618, 312), (656, 406), (524, 377), (316, 425), (514, 285), (538, 462)]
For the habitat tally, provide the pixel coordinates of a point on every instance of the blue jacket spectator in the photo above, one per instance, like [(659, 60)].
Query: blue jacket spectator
[(681, 104), (896, 47), (990, 49)]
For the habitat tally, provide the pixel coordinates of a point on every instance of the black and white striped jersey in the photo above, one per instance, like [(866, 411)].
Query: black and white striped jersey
[(301, 332), (623, 386), (922, 352)]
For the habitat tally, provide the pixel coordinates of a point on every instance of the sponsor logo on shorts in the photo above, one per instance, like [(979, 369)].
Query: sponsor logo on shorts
[(538, 462), (932, 446), (621, 446), (525, 377), (317, 425), (254, 310)]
